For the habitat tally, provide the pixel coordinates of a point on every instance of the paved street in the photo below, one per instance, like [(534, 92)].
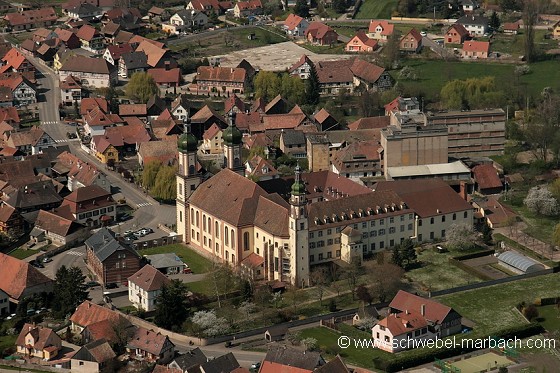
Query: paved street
[(49, 99)]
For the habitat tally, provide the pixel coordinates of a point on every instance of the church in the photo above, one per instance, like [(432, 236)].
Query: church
[(278, 229)]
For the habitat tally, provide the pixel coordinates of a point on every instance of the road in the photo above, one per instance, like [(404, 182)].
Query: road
[(443, 52), (201, 35), (49, 100)]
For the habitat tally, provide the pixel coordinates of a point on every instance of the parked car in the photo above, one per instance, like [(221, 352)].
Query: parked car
[(255, 366), (71, 135), (423, 33), (36, 264), (47, 259), (111, 285), (92, 284), (30, 244)]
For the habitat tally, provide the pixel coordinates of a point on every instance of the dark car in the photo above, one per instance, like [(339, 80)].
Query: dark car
[(71, 135), (111, 285), (91, 284), (36, 264)]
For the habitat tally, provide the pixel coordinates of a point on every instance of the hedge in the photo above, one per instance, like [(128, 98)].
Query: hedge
[(413, 358), (477, 254)]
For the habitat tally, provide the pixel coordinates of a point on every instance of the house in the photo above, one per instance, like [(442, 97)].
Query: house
[(278, 105), (475, 49), (411, 42), (96, 120), (5, 6), (94, 357), (275, 333), (234, 105), (58, 229), (345, 75), (361, 43), (4, 303), (292, 142), (164, 152), (62, 55), (92, 72), (166, 77), (358, 159), (469, 6), (259, 168), (325, 121), (224, 363), (19, 279), (476, 25), (494, 213), (364, 313), (556, 31), (38, 341), (124, 139), (158, 57), (145, 286), (221, 79), (180, 108), (14, 61), (88, 314), (302, 68), (11, 222), (218, 7), (212, 142), (131, 63), (167, 263), (19, 91), (487, 180), (185, 20), (91, 39), (412, 317), (150, 346), (295, 25), (380, 30), (32, 141), (30, 19), (456, 34), (247, 8), (42, 34), (279, 359), (510, 28), (188, 360), (109, 260), (114, 52), (156, 13), (369, 123), (320, 34), (71, 91), (84, 12), (68, 37), (33, 196), (91, 206)]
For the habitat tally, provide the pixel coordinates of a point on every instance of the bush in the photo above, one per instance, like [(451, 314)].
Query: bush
[(332, 305)]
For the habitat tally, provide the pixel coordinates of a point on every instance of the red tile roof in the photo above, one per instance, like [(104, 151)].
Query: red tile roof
[(89, 313), (55, 224), (362, 36), (369, 123), (6, 212), (234, 101), (402, 323), (41, 336), (133, 109), (88, 104), (14, 59), (154, 52), (415, 34), (212, 131), (253, 260), (270, 367), (252, 4), (318, 30), (322, 115), (166, 76), (434, 311), (87, 32), (486, 176), (31, 16), (149, 279), (149, 341), (16, 276), (460, 29), (386, 26), (117, 50), (476, 46), (70, 83), (221, 74)]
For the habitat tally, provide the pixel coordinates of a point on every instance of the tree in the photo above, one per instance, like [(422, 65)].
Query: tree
[(530, 12), (556, 235), (149, 174), (541, 201), (404, 254), (302, 8), (69, 290), (339, 6), (312, 89), (110, 94), (554, 188), (461, 236), (267, 85), (386, 279), (363, 294), (247, 308), (368, 102), (172, 306), (352, 275), (165, 187), (472, 93), (208, 324), (530, 312), (310, 344), (292, 88), (247, 290), (494, 21), (392, 52), (320, 279), (141, 87), (486, 233), (295, 296)]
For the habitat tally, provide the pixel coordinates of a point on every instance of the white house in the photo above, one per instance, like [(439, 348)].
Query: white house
[(23, 93), (144, 287), (180, 108), (92, 72), (185, 20), (32, 141), (295, 25), (474, 24)]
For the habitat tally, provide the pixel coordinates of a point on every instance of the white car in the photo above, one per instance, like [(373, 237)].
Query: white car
[(423, 33)]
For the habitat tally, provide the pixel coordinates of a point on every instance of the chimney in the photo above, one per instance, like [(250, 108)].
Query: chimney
[(423, 309), (463, 190)]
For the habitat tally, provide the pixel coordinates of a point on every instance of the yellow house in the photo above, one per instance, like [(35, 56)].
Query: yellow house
[(212, 140), (60, 57), (556, 31), (38, 341), (104, 150)]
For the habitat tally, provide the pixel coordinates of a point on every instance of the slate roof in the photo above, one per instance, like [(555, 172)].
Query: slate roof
[(135, 60), (293, 137), (190, 358), (308, 360), (86, 64), (104, 244)]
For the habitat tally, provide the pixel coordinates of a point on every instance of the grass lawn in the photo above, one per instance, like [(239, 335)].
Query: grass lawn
[(436, 273), (203, 287), (492, 308), (327, 338), (373, 9), (435, 73), (549, 317), (196, 262), (538, 226), (514, 44), (22, 254), (319, 49), (7, 341)]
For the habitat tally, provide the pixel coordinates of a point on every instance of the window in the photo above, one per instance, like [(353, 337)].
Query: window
[(392, 230), (365, 235), (204, 240), (372, 224), (320, 234), (209, 226), (329, 231), (454, 216), (410, 227), (338, 253), (312, 245), (465, 214), (311, 258), (381, 232), (382, 245), (192, 215), (330, 241), (391, 220), (301, 226), (364, 224), (246, 241), (443, 218), (217, 229), (373, 246), (402, 228), (355, 226), (381, 221), (204, 222), (431, 220), (431, 235), (226, 237), (391, 243), (320, 243), (321, 256), (419, 222), (443, 233), (196, 219), (329, 255), (311, 235), (420, 238), (232, 239), (337, 240)]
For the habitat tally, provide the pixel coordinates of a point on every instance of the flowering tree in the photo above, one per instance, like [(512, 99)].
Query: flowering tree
[(541, 201)]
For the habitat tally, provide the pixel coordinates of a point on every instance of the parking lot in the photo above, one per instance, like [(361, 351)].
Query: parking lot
[(275, 57)]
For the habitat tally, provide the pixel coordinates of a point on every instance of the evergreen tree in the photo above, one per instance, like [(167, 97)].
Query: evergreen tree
[(302, 8), (69, 290), (339, 6), (486, 233), (247, 291), (494, 21), (312, 90), (172, 307)]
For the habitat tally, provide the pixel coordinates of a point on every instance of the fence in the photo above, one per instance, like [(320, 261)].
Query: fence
[(162, 241)]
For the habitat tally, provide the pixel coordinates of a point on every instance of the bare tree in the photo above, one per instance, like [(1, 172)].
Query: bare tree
[(295, 297), (352, 275), (386, 279), (530, 12), (320, 279)]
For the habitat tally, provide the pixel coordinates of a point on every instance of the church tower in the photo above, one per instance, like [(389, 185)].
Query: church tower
[(188, 179), (233, 142), (299, 233)]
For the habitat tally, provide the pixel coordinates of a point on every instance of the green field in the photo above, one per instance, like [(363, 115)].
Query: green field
[(196, 262), (436, 273), (22, 254), (549, 317), (433, 74), (373, 9), (492, 308)]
